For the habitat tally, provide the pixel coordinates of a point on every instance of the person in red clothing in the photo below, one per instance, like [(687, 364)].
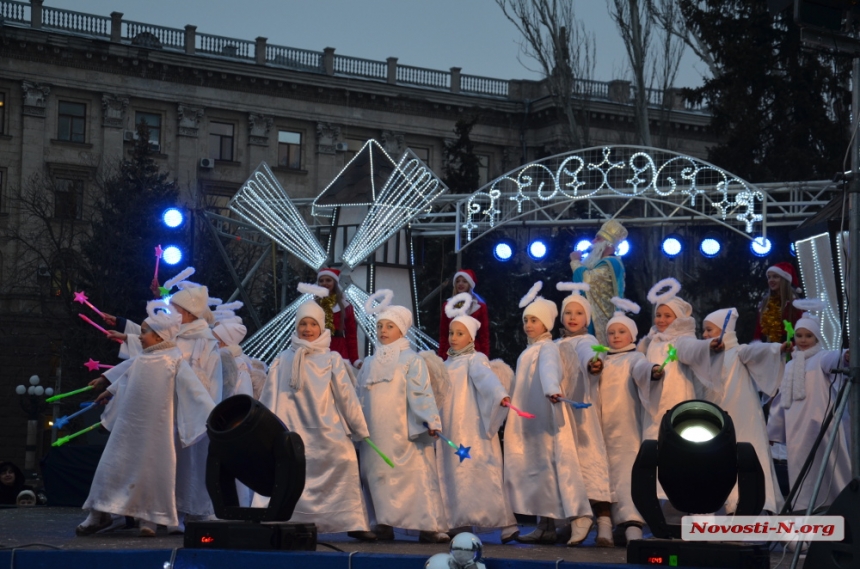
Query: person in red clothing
[(339, 317), (464, 282), (776, 306)]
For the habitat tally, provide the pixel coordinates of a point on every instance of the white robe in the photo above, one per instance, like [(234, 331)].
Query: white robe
[(159, 395), (625, 385), (236, 372), (578, 385), (472, 415), (732, 380), (542, 473), (395, 408), (677, 385), (326, 413), (798, 425)]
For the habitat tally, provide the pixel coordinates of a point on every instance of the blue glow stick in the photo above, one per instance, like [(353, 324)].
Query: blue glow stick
[(462, 452), (63, 421), (725, 325), (576, 404)]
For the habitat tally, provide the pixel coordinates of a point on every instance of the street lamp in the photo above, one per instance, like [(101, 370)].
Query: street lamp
[(32, 403)]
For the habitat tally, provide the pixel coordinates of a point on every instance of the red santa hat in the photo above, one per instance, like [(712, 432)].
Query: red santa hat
[(327, 272), (467, 274), (786, 271)]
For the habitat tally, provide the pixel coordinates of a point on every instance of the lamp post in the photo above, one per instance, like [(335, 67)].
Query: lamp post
[(32, 402)]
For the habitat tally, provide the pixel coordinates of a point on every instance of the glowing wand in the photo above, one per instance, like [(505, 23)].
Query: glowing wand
[(69, 394), (789, 336), (93, 365), (61, 441), (725, 325), (97, 327), (520, 412), (576, 404), (598, 349), (379, 452), (63, 421), (462, 452), (82, 298), (671, 357), (158, 253)]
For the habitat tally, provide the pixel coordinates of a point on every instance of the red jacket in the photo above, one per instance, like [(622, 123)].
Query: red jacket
[(482, 342), (345, 341)]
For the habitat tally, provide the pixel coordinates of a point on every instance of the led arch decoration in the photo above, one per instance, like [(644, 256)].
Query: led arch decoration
[(672, 185), (407, 188)]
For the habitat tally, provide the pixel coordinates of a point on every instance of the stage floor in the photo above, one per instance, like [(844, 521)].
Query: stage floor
[(56, 527)]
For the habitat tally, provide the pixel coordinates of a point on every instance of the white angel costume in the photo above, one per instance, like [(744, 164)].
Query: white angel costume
[(473, 489), (731, 380), (625, 384), (310, 389), (797, 414), (397, 399)]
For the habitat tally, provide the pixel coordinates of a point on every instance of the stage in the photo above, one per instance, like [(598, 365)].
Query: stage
[(54, 528)]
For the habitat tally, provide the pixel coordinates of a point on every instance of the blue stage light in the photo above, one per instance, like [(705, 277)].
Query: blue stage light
[(710, 247), (761, 246), (503, 251), (172, 217), (672, 246), (582, 246), (537, 250), (623, 248), (171, 255)]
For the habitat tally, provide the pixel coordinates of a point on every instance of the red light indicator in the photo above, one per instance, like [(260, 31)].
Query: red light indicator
[(207, 539), (654, 560)]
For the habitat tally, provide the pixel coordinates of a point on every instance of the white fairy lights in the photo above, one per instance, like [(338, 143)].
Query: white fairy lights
[(814, 255), (263, 202), (357, 298), (274, 337)]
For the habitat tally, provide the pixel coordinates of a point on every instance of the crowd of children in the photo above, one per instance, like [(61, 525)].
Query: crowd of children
[(378, 431)]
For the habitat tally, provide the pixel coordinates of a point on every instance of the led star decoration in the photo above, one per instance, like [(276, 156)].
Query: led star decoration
[(82, 298), (461, 451)]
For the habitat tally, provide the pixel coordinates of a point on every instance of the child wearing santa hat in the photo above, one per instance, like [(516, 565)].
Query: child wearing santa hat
[(625, 377), (464, 289), (731, 375), (777, 305), (310, 389), (808, 389), (339, 316), (575, 347), (473, 412), (673, 319), (157, 396), (402, 416), (542, 471)]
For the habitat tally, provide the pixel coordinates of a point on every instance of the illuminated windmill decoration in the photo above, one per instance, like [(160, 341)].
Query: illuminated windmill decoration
[(395, 193)]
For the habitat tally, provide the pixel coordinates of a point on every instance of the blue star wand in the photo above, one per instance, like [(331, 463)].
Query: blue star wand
[(462, 452), (63, 421), (725, 325), (576, 404)]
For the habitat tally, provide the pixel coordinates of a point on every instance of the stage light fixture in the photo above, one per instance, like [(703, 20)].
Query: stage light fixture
[(503, 251), (171, 254), (249, 443), (538, 249), (672, 246), (761, 246), (172, 217), (582, 246), (710, 247), (623, 248)]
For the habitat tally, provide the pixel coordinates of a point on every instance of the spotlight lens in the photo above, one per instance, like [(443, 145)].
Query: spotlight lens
[(583, 245), (697, 431), (172, 217), (537, 250), (710, 247), (623, 248), (760, 246), (503, 251), (172, 255), (671, 246)]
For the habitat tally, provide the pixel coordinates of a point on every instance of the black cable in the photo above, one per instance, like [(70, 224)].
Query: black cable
[(330, 546)]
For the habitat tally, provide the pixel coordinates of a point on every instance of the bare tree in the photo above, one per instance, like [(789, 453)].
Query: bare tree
[(560, 44), (666, 14), (631, 18), (691, 34)]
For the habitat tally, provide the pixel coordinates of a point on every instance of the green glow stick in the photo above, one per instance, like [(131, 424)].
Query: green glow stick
[(63, 440), (379, 452), (69, 394), (671, 357), (598, 349), (789, 335)]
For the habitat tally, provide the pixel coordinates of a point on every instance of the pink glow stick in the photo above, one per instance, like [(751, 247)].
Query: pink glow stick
[(82, 298), (521, 413), (158, 252), (93, 365), (97, 327)]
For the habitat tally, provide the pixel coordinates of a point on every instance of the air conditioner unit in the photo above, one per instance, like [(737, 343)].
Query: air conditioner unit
[(341, 146), (154, 147), (129, 136), (207, 163)]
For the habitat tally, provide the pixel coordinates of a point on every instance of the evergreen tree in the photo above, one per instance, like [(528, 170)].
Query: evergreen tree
[(461, 163), (782, 110)]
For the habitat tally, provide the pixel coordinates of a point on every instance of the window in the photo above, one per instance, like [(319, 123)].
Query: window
[(2, 113), (72, 121), (220, 141), (422, 153), (153, 123), (290, 149), (68, 198), (352, 147), (483, 169)]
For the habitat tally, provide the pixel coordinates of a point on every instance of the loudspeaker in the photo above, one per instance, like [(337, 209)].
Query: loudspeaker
[(843, 554)]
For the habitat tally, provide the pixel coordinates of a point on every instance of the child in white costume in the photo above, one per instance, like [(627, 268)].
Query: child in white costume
[(310, 389), (574, 346), (230, 331), (625, 383), (473, 412), (397, 399), (731, 375), (542, 473), (798, 411), (157, 397), (673, 319)]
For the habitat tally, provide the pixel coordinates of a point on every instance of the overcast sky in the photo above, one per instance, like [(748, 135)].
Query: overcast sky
[(439, 34)]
